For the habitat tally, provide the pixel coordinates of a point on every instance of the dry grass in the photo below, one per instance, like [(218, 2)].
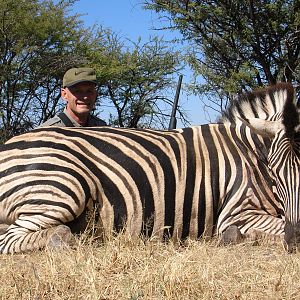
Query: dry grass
[(125, 269)]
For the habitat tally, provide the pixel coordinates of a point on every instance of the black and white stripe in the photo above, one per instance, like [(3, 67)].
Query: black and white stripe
[(192, 182)]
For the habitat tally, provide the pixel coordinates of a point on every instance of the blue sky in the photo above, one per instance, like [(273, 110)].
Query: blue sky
[(129, 20), (125, 17)]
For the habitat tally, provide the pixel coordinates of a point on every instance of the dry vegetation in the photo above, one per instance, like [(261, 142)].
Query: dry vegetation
[(126, 269)]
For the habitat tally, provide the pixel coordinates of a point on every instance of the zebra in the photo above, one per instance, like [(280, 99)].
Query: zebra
[(202, 181)]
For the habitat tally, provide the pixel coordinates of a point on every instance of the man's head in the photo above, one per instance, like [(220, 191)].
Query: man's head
[(79, 90)]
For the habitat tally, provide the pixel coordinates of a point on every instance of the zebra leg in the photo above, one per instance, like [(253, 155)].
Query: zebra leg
[(18, 239), (249, 222), (252, 228), (233, 235)]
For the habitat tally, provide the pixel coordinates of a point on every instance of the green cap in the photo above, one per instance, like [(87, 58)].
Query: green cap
[(76, 75)]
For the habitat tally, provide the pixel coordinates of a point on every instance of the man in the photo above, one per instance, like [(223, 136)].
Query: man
[(79, 91)]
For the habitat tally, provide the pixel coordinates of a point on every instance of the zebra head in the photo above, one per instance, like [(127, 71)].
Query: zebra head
[(284, 163)]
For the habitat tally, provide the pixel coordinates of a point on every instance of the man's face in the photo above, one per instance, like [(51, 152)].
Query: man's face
[(81, 97)]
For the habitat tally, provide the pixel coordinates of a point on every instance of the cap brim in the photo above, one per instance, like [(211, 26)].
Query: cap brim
[(79, 81)]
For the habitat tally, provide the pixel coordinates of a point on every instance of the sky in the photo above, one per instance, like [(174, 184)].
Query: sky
[(128, 19)]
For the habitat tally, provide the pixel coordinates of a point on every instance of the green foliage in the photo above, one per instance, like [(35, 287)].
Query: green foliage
[(133, 79), (38, 42), (237, 45)]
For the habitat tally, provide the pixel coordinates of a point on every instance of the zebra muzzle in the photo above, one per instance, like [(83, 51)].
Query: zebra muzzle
[(292, 236)]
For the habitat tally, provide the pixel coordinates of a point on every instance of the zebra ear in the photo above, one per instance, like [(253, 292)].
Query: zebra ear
[(263, 127)]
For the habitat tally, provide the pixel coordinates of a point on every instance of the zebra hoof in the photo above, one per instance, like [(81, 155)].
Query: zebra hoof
[(60, 238), (3, 228), (232, 235)]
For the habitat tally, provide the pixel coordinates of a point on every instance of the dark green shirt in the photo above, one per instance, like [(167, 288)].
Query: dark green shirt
[(57, 121)]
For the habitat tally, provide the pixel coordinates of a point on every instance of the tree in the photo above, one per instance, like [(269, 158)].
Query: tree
[(38, 42), (237, 45), (135, 79)]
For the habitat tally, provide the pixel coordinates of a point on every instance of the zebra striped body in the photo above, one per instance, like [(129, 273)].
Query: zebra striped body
[(193, 182), (184, 183)]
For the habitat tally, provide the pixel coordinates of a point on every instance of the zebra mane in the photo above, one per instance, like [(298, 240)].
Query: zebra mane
[(265, 103)]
